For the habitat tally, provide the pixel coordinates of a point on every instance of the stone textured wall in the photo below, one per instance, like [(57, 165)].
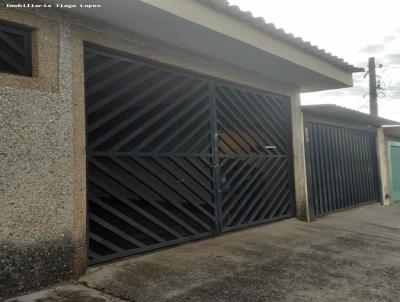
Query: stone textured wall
[(36, 165), (43, 214), (36, 242)]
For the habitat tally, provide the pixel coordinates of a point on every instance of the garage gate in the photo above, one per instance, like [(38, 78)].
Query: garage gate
[(342, 168), (174, 156)]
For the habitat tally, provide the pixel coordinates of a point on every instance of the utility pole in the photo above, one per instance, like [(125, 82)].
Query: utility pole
[(373, 96)]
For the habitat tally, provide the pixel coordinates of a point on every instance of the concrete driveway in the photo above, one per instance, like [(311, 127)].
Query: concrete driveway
[(348, 256)]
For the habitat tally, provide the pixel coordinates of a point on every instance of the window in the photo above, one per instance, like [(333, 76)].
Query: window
[(15, 49)]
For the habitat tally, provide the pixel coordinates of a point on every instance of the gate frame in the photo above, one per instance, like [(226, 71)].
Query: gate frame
[(212, 82), (160, 66), (391, 143), (321, 119), (290, 156)]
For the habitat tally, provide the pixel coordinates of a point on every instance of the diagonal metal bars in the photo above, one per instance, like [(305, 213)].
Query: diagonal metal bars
[(173, 157), (150, 181), (15, 50), (253, 150)]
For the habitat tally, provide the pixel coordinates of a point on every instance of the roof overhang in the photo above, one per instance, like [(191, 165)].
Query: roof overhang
[(349, 115), (392, 130), (192, 25)]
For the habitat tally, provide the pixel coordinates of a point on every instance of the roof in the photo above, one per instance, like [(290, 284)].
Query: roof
[(270, 29), (341, 113)]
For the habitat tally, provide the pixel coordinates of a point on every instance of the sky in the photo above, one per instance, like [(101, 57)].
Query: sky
[(353, 30)]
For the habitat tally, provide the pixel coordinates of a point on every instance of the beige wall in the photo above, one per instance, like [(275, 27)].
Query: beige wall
[(299, 161), (383, 167), (44, 214), (36, 242)]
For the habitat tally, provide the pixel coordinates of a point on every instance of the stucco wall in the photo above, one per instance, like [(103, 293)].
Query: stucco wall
[(36, 243), (43, 217)]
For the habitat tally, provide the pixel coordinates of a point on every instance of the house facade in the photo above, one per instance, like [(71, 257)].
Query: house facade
[(142, 124)]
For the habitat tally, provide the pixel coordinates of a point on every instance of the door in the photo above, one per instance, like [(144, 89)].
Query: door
[(173, 156), (253, 155), (342, 169), (394, 163)]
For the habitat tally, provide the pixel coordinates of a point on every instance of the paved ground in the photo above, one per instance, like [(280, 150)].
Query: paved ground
[(349, 256)]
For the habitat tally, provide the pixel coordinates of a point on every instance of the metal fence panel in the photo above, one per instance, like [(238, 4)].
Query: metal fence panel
[(342, 164)]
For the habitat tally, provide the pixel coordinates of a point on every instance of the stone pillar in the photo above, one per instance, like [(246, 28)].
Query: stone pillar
[(40, 236), (300, 175), (383, 167)]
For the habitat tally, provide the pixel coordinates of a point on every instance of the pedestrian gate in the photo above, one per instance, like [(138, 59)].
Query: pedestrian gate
[(174, 156), (342, 169)]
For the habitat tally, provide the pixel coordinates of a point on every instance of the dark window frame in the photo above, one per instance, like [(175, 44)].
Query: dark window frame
[(25, 50)]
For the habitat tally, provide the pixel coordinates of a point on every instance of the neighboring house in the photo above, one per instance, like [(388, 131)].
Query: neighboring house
[(347, 156), (392, 160), (145, 124)]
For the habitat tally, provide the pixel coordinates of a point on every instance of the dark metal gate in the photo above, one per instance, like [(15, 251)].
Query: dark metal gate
[(342, 167), (173, 156), (253, 156)]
